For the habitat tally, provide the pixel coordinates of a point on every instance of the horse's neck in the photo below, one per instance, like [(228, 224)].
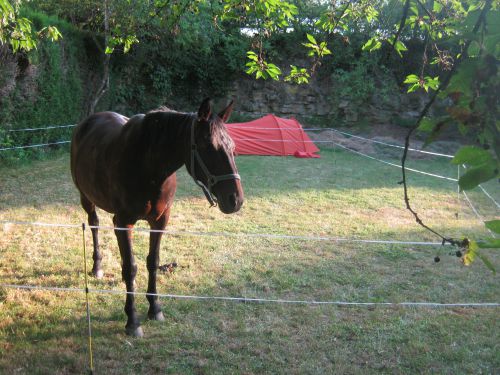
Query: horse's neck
[(158, 141)]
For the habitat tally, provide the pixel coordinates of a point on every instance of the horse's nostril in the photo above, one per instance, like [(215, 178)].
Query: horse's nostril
[(232, 200)]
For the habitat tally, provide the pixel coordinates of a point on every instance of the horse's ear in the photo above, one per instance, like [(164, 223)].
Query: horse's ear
[(226, 112), (205, 110)]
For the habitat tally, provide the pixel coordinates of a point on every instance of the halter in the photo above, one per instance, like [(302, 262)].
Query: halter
[(211, 179)]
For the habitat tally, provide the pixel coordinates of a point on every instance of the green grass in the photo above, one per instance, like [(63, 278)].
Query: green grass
[(339, 195)]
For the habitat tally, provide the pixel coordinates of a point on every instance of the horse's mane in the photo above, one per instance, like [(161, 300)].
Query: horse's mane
[(163, 109), (218, 132), (220, 136)]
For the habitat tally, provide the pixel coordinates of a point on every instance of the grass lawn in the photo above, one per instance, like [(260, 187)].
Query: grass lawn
[(339, 195)]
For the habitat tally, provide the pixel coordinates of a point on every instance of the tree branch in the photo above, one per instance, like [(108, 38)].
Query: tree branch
[(104, 86)]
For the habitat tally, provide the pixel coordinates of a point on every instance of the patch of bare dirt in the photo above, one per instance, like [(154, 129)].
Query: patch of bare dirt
[(322, 137)]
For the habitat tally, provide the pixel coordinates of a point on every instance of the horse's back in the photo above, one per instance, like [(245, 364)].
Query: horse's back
[(92, 148), (100, 126)]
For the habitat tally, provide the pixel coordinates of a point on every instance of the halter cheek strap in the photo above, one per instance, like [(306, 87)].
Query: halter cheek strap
[(212, 180)]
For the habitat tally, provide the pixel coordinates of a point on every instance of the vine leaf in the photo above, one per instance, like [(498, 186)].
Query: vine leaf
[(433, 126), (486, 262), (493, 225), (372, 44), (489, 243), (476, 175), (470, 253), (471, 155), (483, 167)]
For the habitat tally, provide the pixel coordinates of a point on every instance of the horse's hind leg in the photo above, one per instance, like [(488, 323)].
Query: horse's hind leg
[(93, 220)]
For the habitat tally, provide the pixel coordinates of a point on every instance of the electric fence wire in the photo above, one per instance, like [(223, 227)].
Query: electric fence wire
[(229, 234), (256, 300), (33, 146), (44, 128)]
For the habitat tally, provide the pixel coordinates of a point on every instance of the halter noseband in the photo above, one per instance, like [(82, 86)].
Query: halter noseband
[(211, 179)]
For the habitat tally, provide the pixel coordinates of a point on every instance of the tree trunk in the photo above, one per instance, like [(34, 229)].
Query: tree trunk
[(104, 85)]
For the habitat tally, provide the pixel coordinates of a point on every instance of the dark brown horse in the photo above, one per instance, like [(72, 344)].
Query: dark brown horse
[(127, 167)]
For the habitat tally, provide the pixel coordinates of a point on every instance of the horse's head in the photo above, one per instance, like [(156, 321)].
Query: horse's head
[(211, 159)]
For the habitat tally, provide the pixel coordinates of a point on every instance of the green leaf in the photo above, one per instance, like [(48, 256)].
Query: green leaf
[(470, 253), (489, 243), (462, 129), (311, 39), (486, 261), (412, 78), (474, 49), (372, 45), (476, 175), (493, 22), (433, 83), (413, 8), (399, 46), (413, 88), (464, 77), (472, 156), (427, 124), (437, 7), (441, 125), (7, 8), (493, 225), (252, 56)]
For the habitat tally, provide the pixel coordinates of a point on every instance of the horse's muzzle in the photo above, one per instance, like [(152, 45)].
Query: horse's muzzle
[(231, 203)]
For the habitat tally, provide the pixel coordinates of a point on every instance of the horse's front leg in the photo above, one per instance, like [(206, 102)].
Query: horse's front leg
[(129, 271), (153, 261), (93, 220)]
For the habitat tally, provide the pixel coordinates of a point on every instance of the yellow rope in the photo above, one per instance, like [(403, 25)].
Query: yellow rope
[(91, 362)]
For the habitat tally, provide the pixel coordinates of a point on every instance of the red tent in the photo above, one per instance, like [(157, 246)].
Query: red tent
[(271, 135)]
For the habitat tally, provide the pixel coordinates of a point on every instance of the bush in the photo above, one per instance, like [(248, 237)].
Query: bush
[(47, 90)]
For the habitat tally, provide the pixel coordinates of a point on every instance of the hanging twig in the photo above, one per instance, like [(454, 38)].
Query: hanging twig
[(400, 28), (424, 112)]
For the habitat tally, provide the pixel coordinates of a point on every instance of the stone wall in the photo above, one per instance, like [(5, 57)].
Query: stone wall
[(317, 103)]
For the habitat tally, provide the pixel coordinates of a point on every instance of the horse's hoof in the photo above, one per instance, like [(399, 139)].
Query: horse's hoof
[(134, 331), (157, 316), (99, 274)]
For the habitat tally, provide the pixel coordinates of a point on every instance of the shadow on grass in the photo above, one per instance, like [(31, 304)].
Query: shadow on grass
[(235, 337)]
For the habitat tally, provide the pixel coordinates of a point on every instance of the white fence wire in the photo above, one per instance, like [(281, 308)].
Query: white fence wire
[(230, 234), (254, 300), (44, 128), (34, 146), (393, 164)]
